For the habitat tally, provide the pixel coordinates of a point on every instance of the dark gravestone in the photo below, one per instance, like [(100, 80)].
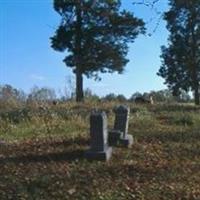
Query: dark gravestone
[(120, 132), (99, 149), (114, 137)]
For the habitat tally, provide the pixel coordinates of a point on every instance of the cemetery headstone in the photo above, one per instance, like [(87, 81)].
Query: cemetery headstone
[(99, 149), (120, 132), (114, 137)]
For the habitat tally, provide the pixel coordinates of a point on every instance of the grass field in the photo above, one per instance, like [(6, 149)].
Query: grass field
[(42, 154)]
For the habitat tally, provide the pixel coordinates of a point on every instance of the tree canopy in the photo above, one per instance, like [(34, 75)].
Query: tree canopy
[(181, 58), (95, 35)]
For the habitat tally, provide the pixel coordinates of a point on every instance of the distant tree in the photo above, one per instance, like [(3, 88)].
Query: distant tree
[(135, 95), (89, 95), (146, 95), (181, 59), (7, 91), (88, 92), (110, 97), (42, 94), (11, 97), (69, 89), (167, 96), (95, 35), (162, 96), (121, 98)]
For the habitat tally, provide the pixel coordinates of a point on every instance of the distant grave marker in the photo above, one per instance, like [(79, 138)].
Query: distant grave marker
[(99, 149)]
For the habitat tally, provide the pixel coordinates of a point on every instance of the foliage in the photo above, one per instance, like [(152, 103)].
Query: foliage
[(11, 97), (163, 96), (135, 95), (110, 97), (181, 59), (167, 96), (95, 36), (121, 98), (89, 96), (42, 94)]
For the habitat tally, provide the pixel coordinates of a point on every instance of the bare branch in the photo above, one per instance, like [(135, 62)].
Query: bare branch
[(151, 4)]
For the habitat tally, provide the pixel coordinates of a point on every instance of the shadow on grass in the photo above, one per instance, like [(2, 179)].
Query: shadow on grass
[(64, 150), (182, 137), (81, 141), (65, 156), (69, 142), (176, 107)]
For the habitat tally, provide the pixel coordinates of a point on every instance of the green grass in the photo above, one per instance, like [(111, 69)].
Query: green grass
[(43, 157)]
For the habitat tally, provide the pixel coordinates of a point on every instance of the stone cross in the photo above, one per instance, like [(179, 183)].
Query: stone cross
[(99, 149), (120, 132)]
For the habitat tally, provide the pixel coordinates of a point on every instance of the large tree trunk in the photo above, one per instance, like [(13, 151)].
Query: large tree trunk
[(79, 74), (79, 86)]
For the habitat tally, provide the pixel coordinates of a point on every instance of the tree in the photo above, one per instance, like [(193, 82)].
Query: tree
[(135, 95), (181, 59), (42, 94), (8, 92), (95, 35), (162, 95), (121, 98), (89, 95), (110, 97), (11, 97)]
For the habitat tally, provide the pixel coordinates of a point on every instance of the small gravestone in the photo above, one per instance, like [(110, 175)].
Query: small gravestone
[(120, 132), (114, 137), (99, 149)]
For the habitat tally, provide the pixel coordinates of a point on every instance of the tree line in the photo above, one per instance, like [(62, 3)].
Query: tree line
[(14, 97)]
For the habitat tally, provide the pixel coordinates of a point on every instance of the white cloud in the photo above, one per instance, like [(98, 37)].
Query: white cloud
[(95, 84), (100, 85), (37, 77)]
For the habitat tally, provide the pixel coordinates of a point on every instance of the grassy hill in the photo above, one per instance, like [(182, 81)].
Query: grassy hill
[(42, 154)]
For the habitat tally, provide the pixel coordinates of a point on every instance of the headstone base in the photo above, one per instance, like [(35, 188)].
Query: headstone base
[(99, 155), (127, 141), (114, 137)]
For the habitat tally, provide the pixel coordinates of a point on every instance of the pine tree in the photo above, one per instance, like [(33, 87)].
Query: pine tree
[(181, 58), (95, 34)]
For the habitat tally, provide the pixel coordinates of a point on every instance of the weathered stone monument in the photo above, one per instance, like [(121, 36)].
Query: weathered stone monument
[(99, 149), (120, 131)]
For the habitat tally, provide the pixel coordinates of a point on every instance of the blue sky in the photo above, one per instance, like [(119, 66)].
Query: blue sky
[(26, 58)]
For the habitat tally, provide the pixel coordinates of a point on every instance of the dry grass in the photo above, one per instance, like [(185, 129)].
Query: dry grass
[(43, 154)]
